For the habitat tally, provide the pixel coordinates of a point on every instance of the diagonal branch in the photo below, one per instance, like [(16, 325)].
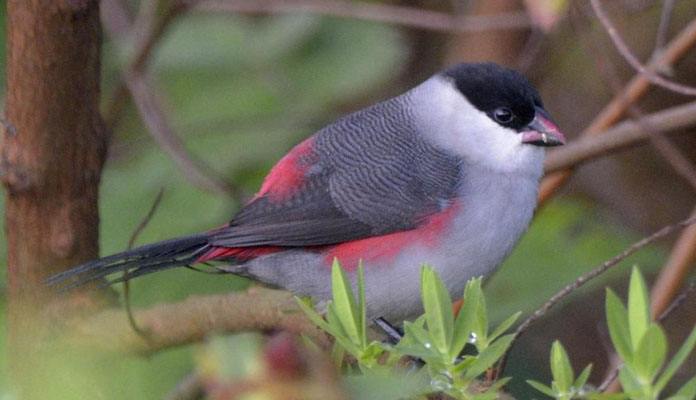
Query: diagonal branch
[(386, 13), (623, 136)]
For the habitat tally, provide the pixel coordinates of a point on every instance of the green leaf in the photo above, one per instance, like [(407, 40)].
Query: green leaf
[(542, 388), (337, 330), (630, 382), (638, 307), (312, 314), (617, 320), (464, 324), (338, 353), (504, 326), (416, 342), (582, 379), (481, 325), (561, 369), (362, 305), (464, 364), (650, 353), (688, 391), (438, 310), (677, 361), (344, 303), (489, 356)]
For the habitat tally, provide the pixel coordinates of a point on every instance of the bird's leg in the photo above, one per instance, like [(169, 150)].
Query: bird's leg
[(394, 334)]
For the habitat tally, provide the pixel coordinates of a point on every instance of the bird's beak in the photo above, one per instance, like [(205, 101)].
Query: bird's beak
[(542, 131)]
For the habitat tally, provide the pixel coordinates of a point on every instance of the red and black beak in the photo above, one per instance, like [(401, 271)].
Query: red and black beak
[(542, 131)]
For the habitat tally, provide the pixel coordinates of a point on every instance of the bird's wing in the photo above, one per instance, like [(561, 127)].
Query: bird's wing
[(366, 175)]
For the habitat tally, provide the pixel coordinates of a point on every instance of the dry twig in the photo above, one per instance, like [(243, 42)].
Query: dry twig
[(622, 136), (386, 13), (628, 55), (126, 282)]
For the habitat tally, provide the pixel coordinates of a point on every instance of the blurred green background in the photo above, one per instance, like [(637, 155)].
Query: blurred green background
[(241, 91)]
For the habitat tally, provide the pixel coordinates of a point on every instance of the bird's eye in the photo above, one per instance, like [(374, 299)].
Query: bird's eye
[(503, 115)]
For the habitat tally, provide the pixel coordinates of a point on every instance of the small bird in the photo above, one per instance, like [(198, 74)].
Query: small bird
[(446, 173)]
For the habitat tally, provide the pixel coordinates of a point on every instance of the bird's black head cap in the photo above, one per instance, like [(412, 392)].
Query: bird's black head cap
[(505, 95)]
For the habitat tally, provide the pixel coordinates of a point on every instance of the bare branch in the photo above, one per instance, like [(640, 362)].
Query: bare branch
[(681, 260), (191, 320), (386, 13), (676, 158), (624, 135), (126, 282), (632, 92), (151, 111), (626, 53), (663, 28)]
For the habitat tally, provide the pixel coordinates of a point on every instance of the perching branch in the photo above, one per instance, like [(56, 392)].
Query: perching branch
[(386, 13), (191, 320), (625, 135)]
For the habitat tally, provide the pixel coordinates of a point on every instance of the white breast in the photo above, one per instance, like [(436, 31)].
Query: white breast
[(495, 211)]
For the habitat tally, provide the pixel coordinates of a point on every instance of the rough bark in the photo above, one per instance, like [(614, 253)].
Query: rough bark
[(53, 149)]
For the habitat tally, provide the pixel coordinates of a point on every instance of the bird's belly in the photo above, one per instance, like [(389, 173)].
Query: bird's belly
[(474, 244)]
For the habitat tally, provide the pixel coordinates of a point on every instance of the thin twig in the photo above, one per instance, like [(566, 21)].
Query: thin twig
[(579, 282), (126, 282), (676, 303), (632, 92), (663, 28), (151, 111), (673, 273), (679, 162), (622, 136), (628, 55), (385, 13), (149, 104), (146, 220)]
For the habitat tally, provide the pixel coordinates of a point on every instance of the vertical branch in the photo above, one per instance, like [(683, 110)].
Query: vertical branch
[(52, 157)]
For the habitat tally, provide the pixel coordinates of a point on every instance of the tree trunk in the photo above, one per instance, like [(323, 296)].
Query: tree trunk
[(53, 149)]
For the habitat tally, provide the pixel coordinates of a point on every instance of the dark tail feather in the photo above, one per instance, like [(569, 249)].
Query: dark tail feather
[(139, 261)]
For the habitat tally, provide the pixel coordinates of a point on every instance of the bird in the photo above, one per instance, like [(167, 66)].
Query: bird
[(446, 173)]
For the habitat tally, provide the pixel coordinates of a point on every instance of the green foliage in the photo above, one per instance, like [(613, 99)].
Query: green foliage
[(437, 337), (345, 318), (564, 385), (640, 343)]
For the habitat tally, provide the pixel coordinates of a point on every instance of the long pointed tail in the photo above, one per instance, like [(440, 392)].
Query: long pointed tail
[(139, 261)]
